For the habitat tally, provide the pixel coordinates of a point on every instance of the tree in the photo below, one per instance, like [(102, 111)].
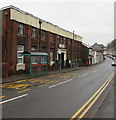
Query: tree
[(112, 45)]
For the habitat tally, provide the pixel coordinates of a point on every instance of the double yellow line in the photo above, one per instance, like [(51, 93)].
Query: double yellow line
[(92, 100)]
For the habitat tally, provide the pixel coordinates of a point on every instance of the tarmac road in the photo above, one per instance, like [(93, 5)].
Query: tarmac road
[(56, 96)]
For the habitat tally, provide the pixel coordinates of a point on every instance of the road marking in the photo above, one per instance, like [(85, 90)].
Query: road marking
[(86, 110), (83, 75), (13, 98), (60, 83), (43, 85), (81, 109), (2, 96), (24, 90)]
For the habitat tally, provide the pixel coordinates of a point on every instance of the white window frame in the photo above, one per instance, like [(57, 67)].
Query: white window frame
[(33, 32), (20, 57), (21, 29)]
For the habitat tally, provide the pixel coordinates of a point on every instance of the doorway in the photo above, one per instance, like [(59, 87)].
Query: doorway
[(61, 57)]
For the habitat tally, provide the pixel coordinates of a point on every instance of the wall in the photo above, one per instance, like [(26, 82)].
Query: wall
[(34, 21), (11, 39)]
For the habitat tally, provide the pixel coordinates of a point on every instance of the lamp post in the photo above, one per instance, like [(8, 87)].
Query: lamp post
[(60, 60), (40, 22), (72, 51)]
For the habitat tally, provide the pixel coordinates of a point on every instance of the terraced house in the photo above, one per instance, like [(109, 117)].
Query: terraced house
[(21, 31)]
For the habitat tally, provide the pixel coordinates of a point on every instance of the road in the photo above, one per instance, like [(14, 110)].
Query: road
[(58, 96)]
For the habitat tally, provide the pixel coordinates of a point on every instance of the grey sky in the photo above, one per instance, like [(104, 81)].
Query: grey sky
[(93, 20)]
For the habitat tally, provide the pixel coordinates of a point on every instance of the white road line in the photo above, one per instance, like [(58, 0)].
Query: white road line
[(13, 98), (83, 75), (60, 83)]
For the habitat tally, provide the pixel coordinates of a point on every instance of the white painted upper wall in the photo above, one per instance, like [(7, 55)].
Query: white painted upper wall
[(29, 19)]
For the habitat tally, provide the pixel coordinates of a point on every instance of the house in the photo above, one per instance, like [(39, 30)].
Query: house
[(98, 53)]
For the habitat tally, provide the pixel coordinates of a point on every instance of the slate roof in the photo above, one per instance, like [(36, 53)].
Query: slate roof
[(98, 47)]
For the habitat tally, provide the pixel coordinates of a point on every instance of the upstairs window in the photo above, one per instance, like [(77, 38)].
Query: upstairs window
[(21, 29), (58, 39), (33, 32), (64, 40), (43, 37), (52, 38)]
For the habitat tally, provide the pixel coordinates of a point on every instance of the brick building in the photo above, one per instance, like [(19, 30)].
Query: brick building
[(85, 54), (22, 31)]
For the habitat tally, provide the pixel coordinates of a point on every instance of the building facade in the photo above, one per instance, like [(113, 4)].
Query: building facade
[(85, 54), (96, 54), (22, 31)]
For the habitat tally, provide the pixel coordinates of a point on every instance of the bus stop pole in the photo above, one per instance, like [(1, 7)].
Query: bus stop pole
[(30, 65)]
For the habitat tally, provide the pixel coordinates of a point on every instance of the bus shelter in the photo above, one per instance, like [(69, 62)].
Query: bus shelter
[(38, 62)]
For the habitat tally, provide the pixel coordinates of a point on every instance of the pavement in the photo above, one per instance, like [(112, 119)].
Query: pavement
[(20, 76), (106, 110)]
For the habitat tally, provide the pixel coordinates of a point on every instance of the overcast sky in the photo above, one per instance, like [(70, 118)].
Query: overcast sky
[(91, 19)]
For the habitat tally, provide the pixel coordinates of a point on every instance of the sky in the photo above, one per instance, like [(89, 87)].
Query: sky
[(92, 20)]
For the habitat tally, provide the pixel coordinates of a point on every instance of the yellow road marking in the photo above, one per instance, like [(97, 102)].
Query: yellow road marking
[(20, 81), (81, 116), (42, 85), (2, 96), (74, 116), (63, 76), (24, 90)]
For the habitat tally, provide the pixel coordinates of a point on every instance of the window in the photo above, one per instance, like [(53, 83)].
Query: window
[(43, 35), (69, 42), (64, 40), (52, 38), (61, 40), (20, 49), (51, 54), (33, 32), (33, 49), (34, 59), (58, 39), (20, 29)]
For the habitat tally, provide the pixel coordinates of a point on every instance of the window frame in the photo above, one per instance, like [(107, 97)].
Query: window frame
[(21, 29), (43, 35), (20, 57), (33, 35)]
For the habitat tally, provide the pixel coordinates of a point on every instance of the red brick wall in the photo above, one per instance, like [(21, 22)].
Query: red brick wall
[(11, 39)]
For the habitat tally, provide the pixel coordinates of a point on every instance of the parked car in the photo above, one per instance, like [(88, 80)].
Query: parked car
[(114, 62)]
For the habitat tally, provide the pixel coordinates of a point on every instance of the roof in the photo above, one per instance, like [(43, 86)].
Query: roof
[(84, 44), (98, 47), (102, 45)]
